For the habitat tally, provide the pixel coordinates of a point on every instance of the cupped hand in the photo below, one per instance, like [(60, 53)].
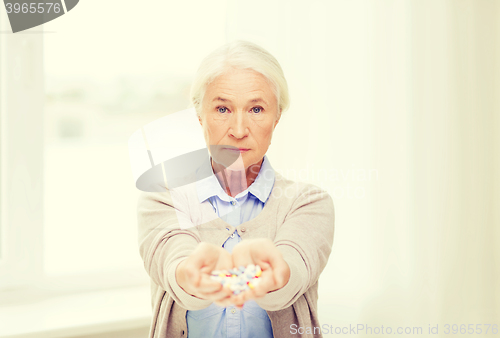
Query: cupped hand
[(275, 270), (193, 273)]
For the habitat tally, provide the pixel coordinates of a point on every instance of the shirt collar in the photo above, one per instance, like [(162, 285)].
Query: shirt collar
[(260, 188)]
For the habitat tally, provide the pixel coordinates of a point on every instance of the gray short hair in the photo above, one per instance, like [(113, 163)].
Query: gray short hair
[(239, 54)]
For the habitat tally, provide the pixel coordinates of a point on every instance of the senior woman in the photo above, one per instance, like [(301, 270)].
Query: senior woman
[(242, 213)]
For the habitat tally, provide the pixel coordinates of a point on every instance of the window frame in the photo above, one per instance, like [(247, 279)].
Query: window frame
[(22, 99), (21, 156)]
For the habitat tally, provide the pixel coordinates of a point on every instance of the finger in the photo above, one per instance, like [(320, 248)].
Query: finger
[(264, 266), (192, 273), (266, 284), (218, 296), (225, 261), (207, 269), (234, 300), (225, 301), (208, 285), (197, 262), (242, 255), (282, 273), (237, 299), (242, 259), (205, 255), (244, 297), (279, 267)]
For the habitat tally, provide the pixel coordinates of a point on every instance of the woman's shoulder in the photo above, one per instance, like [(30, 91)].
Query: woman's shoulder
[(287, 189), (290, 197), (177, 198)]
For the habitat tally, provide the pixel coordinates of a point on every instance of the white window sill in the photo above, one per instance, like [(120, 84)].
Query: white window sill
[(77, 314)]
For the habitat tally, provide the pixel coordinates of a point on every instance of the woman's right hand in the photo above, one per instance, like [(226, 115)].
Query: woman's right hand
[(193, 273)]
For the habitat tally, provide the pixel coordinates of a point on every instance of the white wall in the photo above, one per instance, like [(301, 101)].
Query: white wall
[(394, 110), (410, 89)]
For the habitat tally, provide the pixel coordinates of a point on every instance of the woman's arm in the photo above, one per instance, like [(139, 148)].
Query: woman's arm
[(305, 240), (163, 244)]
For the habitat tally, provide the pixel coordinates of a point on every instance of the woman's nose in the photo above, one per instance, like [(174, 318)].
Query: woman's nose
[(239, 126)]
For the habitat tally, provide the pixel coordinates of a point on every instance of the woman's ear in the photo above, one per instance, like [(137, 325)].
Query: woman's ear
[(277, 119)]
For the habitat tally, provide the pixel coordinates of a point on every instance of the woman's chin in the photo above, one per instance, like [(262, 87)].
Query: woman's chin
[(228, 157)]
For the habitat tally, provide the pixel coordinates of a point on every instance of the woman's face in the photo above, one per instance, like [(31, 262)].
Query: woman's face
[(239, 114)]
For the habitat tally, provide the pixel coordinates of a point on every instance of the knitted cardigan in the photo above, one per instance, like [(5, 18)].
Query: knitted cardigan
[(298, 217)]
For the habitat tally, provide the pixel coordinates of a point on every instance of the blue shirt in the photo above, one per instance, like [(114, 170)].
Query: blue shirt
[(229, 322)]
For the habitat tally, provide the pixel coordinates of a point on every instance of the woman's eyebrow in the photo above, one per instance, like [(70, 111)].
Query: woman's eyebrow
[(256, 100)]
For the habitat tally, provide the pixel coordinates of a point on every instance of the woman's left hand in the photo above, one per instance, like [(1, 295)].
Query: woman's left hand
[(275, 270)]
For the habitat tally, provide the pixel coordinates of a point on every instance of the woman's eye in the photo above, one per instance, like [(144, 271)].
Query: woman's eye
[(259, 110), (224, 109)]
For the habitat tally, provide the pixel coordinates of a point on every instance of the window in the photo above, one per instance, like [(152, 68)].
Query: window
[(21, 157), (68, 195)]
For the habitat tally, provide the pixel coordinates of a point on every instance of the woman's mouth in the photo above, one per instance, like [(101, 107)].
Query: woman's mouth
[(241, 150)]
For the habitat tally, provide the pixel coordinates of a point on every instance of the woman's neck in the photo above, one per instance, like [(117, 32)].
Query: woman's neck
[(236, 178)]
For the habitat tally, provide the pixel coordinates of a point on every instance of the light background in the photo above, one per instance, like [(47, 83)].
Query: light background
[(405, 91)]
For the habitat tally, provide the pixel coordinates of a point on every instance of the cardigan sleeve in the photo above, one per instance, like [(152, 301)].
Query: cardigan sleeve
[(163, 243), (305, 239)]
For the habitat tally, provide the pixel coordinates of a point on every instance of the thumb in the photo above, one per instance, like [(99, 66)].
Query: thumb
[(280, 268), (225, 261), (191, 270), (283, 273)]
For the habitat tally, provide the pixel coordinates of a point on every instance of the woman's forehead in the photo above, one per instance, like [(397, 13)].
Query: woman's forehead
[(244, 83), (240, 77)]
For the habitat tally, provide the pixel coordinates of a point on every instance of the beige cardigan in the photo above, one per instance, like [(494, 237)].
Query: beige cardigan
[(298, 217)]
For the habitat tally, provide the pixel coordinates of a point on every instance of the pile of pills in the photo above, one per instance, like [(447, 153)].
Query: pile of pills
[(240, 279)]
